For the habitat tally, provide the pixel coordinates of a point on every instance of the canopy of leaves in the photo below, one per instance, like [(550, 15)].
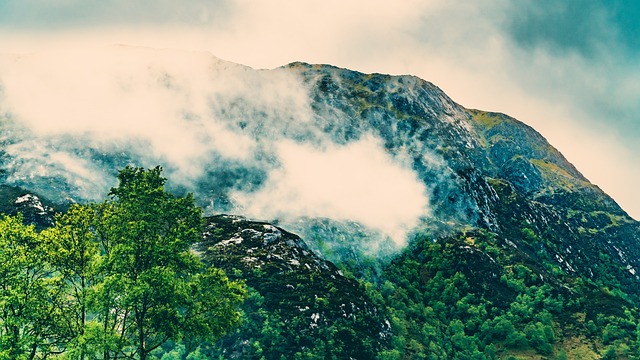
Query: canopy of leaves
[(112, 280)]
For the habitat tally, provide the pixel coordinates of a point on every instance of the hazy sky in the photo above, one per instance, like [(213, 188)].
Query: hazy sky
[(570, 69)]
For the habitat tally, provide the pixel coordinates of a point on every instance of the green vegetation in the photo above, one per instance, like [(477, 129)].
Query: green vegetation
[(121, 280), (487, 120), (471, 297), (32, 317), (560, 178), (115, 280)]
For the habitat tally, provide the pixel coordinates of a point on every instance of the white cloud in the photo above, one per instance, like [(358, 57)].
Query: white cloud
[(162, 98), (358, 182)]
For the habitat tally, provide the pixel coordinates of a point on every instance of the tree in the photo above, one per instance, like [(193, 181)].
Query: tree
[(153, 287), (211, 308), (31, 321), (73, 253)]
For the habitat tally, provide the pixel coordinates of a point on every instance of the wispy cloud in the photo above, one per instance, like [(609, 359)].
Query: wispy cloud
[(357, 182)]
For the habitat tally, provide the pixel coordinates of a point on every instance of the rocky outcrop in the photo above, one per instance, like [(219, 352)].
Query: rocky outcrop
[(34, 210), (308, 293)]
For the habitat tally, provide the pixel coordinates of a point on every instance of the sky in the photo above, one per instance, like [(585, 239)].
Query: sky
[(570, 68)]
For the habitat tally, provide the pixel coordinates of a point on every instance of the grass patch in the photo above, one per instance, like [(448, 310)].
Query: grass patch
[(485, 119)]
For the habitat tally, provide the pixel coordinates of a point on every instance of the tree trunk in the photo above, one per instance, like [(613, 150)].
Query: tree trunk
[(141, 338)]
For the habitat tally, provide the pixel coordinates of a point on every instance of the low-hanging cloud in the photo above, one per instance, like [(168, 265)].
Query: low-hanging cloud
[(358, 182), (165, 106), (240, 139)]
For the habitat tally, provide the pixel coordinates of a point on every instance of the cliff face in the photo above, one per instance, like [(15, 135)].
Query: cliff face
[(33, 209)]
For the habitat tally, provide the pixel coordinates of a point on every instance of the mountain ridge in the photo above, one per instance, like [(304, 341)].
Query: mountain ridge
[(512, 235)]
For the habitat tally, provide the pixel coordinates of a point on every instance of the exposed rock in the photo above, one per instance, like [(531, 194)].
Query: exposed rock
[(34, 211), (296, 284)]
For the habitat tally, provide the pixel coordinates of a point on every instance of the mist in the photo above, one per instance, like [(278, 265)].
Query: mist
[(357, 182), (242, 140)]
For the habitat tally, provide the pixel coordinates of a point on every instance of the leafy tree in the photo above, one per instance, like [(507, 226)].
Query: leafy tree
[(31, 323), (112, 280), (73, 253), (610, 353), (153, 288), (562, 355)]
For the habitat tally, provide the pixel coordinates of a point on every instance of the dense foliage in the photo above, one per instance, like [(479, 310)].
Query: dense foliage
[(121, 279), (113, 280), (471, 297)]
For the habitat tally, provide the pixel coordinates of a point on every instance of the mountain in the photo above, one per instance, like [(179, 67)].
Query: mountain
[(427, 230)]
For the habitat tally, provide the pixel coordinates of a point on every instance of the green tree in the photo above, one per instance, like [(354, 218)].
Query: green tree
[(610, 353), (211, 307), (31, 323), (73, 253), (153, 287)]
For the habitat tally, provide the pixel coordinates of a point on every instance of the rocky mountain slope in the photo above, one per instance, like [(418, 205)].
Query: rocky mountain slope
[(307, 299), (494, 172), (516, 253)]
